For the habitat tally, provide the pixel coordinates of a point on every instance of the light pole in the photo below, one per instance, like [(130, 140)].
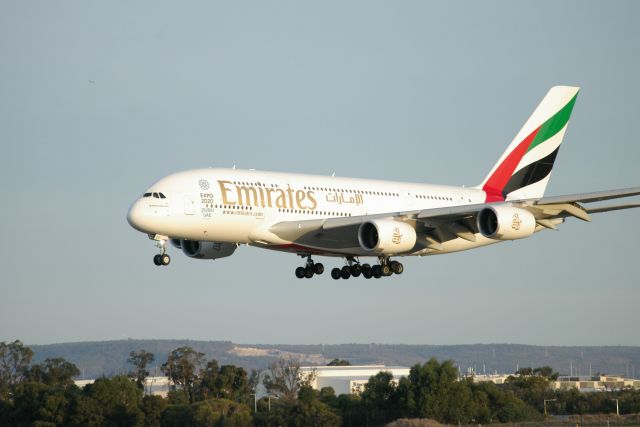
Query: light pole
[(545, 405), (255, 401), (617, 407)]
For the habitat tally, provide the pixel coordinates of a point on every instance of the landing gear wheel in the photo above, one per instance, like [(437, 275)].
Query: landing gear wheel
[(308, 272), (336, 273), (396, 267), (376, 271), (345, 273), (367, 273), (300, 272), (386, 270), (355, 270), (318, 268), (156, 259), (165, 259)]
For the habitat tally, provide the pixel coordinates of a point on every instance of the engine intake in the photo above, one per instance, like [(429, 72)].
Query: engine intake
[(207, 250), (506, 223), (386, 237)]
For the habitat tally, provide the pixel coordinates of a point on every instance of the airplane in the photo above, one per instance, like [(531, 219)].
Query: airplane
[(208, 213)]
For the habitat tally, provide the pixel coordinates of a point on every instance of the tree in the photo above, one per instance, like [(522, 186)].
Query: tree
[(56, 372), (207, 382), (182, 368), (380, 398), (152, 406), (226, 382), (119, 398), (430, 384), (14, 361), (140, 360), (547, 372), (286, 378)]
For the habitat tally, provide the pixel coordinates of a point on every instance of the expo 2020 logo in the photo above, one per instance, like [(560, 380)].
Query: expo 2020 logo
[(204, 184)]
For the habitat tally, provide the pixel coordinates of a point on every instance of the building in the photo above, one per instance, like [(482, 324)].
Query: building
[(157, 386), (494, 378), (588, 383), (349, 379)]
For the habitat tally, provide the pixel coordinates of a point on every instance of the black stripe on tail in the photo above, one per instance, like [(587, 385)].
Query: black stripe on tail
[(530, 174)]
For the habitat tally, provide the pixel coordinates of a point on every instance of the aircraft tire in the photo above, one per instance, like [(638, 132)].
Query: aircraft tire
[(356, 270), (386, 270), (345, 273), (164, 259), (367, 273), (318, 268), (396, 267), (376, 271), (156, 259), (300, 272), (308, 272), (336, 273)]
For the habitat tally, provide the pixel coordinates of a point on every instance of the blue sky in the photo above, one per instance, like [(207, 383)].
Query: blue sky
[(100, 99)]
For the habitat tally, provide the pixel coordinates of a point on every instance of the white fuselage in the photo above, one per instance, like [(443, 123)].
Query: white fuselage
[(240, 206)]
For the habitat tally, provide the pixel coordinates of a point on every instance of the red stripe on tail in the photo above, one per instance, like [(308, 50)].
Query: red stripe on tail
[(498, 180)]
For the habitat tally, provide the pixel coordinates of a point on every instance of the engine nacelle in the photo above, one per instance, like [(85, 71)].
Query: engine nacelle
[(207, 250), (506, 223), (386, 237)]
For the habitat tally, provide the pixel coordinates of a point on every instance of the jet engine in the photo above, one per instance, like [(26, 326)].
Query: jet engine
[(207, 250), (506, 223), (386, 237)]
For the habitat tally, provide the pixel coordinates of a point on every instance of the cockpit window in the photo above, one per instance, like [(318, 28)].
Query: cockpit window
[(161, 196), (147, 195), (155, 196)]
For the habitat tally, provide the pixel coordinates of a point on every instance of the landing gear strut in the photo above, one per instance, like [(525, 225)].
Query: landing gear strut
[(309, 269), (163, 257)]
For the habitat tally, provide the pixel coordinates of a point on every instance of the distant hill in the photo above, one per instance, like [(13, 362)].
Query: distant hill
[(95, 359)]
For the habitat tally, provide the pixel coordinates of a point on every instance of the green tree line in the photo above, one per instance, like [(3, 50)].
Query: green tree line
[(202, 393)]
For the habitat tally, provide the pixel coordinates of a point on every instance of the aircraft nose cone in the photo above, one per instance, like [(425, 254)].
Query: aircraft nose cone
[(135, 216)]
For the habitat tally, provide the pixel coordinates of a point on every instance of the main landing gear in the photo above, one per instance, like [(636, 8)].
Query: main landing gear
[(163, 257), (355, 269), (310, 269)]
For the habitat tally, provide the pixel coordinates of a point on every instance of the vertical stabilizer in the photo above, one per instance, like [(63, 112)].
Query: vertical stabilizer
[(524, 169)]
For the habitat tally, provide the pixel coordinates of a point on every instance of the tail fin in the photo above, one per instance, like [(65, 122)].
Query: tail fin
[(524, 169)]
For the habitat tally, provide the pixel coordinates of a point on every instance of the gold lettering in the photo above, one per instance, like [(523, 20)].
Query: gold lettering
[(314, 204), (290, 191), (281, 201), (224, 190), (300, 195), (269, 191), (250, 195), (261, 197)]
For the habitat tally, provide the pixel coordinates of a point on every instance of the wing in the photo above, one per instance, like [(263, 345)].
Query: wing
[(339, 236)]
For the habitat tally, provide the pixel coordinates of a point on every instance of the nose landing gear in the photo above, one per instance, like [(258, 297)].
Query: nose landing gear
[(163, 257)]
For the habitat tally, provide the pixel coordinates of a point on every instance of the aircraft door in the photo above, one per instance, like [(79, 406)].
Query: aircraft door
[(189, 206)]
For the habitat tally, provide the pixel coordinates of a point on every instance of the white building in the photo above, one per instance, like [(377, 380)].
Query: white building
[(349, 379), (595, 383), (152, 385)]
